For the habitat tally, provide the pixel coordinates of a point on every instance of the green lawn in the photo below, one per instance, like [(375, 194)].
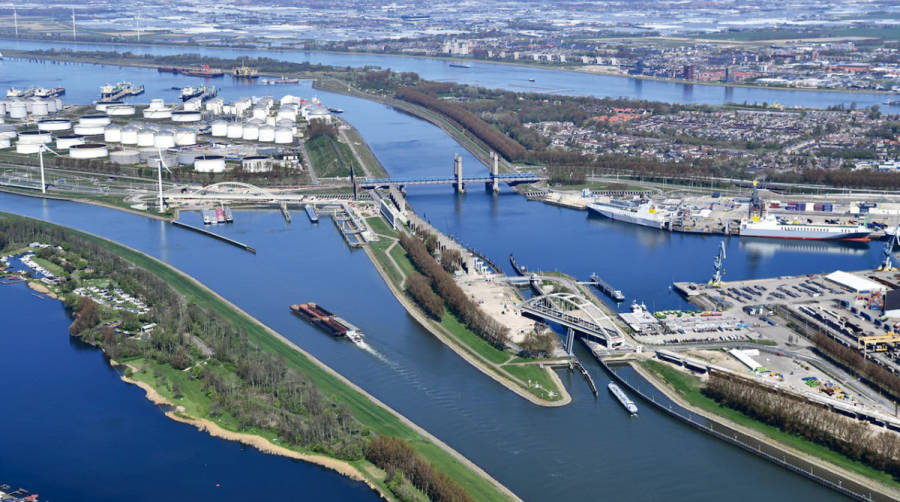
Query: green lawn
[(535, 374), (371, 415), (50, 266), (330, 158), (379, 226), (689, 388), (473, 341)]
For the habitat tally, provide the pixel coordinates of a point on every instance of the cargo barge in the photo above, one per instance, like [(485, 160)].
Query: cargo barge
[(624, 400), (334, 325), (521, 270), (602, 285)]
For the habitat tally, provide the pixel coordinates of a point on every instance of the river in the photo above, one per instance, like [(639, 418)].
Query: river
[(506, 76), (587, 450)]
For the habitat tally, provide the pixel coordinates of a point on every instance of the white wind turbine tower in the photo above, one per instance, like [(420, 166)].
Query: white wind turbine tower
[(159, 167), (41, 151), (74, 35), (16, 20)]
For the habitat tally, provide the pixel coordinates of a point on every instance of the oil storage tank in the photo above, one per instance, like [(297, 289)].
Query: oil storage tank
[(35, 137), (125, 156), (219, 128), (209, 164), (88, 151), (185, 137), (68, 141), (54, 124), (267, 134), (112, 134)]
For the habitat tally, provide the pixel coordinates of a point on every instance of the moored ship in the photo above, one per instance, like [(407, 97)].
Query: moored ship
[(770, 226), (644, 214), (625, 401)]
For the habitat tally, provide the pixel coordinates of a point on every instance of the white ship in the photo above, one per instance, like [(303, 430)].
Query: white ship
[(771, 227), (355, 336), (626, 402), (645, 214)]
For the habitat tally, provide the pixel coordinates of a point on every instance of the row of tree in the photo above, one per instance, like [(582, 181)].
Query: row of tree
[(419, 288), (492, 137), (871, 371), (852, 438), (395, 455), (445, 286)]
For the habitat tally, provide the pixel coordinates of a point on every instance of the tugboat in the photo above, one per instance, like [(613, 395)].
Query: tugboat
[(244, 72), (203, 71)]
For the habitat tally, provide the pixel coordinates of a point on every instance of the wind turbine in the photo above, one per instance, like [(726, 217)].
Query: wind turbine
[(74, 36), (16, 20), (159, 167)]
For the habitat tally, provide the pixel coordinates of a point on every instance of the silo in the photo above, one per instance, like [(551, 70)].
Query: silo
[(112, 134), (185, 137), (267, 134), (219, 128), (146, 137), (251, 132), (129, 135), (235, 130)]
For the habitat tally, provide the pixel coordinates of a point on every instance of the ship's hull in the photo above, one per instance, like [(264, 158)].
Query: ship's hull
[(854, 236), (626, 216)]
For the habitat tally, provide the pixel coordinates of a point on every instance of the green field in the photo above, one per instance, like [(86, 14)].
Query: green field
[(375, 417), (330, 158), (689, 388)]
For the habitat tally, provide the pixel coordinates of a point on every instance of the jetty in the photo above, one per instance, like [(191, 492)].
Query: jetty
[(222, 238)]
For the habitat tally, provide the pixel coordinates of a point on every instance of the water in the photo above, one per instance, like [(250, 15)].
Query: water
[(493, 75), (576, 452), (73, 431)]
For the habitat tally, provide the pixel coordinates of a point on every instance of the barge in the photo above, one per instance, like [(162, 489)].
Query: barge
[(520, 269), (332, 324), (624, 400)]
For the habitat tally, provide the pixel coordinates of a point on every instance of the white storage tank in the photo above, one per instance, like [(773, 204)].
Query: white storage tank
[(54, 124), (251, 132), (94, 120), (68, 141), (129, 135), (126, 156), (186, 116), (39, 108), (51, 105), (219, 128), (7, 131), (35, 137), (88, 151), (209, 164), (112, 134), (164, 139), (146, 137), (58, 103), (186, 157), (267, 134), (2, 108), (89, 130), (287, 124), (270, 121), (215, 106), (235, 130), (283, 136), (286, 114), (102, 107), (185, 137), (157, 104), (17, 109), (148, 152), (260, 113), (242, 105), (5, 143), (27, 148), (120, 110), (168, 161), (193, 105), (157, 114)]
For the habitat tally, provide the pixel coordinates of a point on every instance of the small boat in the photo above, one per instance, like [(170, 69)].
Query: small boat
[(602, 285), (520, 269), (209, 217), (220, 216), (459, 65), (229, 218), (281, 80), (336, 110), (354, 336), (624, 400), (531, 80)]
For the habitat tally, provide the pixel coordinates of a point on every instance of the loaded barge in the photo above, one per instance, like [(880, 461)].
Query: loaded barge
[(327, 321), (602, 285), (626, 402)]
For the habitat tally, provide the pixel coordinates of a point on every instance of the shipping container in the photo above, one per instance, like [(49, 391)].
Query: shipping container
[(774, 205), (828, 207), (801, 206), (818, 206)]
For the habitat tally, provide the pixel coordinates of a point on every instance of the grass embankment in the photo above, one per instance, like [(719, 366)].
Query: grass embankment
[(523, 372), (373, 165), (331, 158), (371, 414), (690, 388)]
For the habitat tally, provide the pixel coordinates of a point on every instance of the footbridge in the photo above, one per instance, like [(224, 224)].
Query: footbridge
[(558, 307), (491, 180)]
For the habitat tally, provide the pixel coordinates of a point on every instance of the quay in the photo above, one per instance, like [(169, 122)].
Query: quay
[(311, 213), (121, 94), (222, 238)]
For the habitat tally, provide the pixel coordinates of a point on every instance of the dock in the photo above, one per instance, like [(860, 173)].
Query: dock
[(608, 290), (587, 376), (124, 93), (214, 235), (285, 212)]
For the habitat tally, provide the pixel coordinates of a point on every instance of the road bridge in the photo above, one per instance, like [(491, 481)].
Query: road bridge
[(555, 307), (457, 180)]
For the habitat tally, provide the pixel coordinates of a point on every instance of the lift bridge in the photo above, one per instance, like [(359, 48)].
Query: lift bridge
[(555, 307), (491, 180)]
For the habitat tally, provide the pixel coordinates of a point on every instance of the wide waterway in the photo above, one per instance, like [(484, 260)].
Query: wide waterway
[(512, 77), (587, 450)]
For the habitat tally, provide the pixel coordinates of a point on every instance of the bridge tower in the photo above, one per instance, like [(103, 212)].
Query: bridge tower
[(494, 185), (570, 341), (457, 173)]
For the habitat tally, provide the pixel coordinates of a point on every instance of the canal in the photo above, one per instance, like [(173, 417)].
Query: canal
[(587, 450)]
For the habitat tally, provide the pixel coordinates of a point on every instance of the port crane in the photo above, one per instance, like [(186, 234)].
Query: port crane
[(718, 266), (863, 342), (888, 265)]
